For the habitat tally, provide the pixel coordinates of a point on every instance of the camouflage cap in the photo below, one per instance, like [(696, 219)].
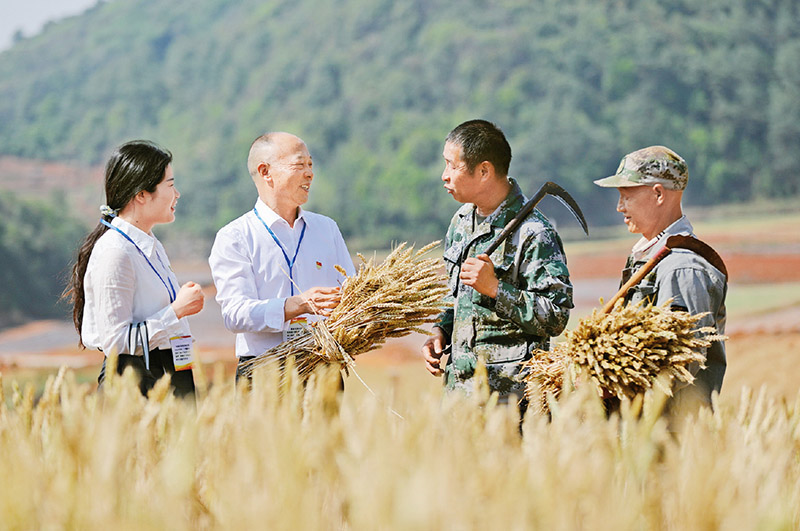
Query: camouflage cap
[(648, 166)]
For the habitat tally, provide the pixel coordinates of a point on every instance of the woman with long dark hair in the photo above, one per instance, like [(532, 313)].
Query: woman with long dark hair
[(126, 299)]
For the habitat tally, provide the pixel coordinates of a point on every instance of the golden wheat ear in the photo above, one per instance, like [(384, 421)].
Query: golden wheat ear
[(391, 299), (630, 350)]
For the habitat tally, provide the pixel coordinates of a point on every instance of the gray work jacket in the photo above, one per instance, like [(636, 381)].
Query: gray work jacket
[(694, 285)]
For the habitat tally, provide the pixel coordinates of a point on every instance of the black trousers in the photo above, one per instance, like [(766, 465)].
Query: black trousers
[(239, 363), (161, 363)]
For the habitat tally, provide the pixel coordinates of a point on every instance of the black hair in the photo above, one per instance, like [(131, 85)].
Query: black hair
[(482, 141), (136, 166)]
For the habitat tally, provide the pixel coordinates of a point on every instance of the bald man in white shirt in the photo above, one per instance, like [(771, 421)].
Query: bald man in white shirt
[(273, 267)]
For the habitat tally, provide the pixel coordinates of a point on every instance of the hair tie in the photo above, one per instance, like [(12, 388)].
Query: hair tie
[(108, 211)]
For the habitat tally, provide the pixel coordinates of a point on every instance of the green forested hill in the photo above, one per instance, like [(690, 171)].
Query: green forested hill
[(373, 86), (36, 243)]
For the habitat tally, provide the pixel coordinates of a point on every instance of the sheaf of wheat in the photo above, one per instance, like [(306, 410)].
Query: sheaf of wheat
[(382, 301), (623, 352)]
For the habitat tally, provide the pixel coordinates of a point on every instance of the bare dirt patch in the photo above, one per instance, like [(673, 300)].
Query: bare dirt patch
[(748, 268), (743, 267), (768, 360), (78, 187)]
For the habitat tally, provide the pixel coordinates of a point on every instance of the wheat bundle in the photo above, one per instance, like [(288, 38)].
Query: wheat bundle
[(381, 301), (545, 373), (626, 350)]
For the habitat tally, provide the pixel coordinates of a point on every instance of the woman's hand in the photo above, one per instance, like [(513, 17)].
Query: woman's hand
[(189, 300)]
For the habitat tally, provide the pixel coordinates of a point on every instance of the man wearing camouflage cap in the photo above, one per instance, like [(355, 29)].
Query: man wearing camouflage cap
[(505, 305), (650, 182)]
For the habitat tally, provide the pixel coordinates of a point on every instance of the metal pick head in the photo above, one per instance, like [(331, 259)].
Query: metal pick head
[(562, 195)]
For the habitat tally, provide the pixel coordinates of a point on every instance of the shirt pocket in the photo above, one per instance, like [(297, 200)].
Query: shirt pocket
[(504, 260), (500, 344), (645, 290)]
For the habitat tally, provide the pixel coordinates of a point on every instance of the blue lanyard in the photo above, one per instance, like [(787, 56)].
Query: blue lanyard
[(170, 288), (291, 262)]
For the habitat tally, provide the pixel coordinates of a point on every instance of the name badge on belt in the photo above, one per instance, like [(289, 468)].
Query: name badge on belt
[(182, 356), (297, 327)]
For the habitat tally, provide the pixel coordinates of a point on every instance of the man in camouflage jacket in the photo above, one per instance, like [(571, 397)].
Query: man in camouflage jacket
[(507, 304)]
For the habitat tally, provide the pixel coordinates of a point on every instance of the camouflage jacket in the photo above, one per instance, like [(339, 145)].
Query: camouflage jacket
[(533, 300), (694, 285)]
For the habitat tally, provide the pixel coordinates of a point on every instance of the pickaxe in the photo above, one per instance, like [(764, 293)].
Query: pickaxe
[(548, 188), (673, 242)]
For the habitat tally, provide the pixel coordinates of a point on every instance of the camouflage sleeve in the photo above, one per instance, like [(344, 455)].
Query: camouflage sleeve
[(540, 302), (446, 322), (446, 318)]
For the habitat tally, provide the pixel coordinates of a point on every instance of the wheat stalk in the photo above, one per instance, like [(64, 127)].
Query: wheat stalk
[(390, 299), (544, 376), (626, 350)]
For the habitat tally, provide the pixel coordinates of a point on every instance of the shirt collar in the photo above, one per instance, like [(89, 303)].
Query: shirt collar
[(270, 217), (145, 242), (505, 210), (509, 207), (644, 249)]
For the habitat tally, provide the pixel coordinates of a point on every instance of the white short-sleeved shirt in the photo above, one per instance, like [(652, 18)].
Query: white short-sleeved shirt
[(121, 288), (251, 273)]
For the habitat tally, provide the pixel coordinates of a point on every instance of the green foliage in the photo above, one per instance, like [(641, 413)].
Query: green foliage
[(36, 245), (374, 87)]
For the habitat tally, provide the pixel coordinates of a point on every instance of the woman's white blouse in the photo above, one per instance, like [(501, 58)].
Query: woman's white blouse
[(121, 288)]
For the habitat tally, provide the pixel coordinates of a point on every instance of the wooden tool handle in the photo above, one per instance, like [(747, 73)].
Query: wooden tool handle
[(636, 278), (512, 225)]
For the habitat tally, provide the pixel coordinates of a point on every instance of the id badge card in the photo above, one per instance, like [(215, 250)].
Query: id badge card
[(297, 327), (182, 356)]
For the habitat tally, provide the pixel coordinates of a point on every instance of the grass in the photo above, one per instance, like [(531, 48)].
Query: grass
[(752, 299), (77, 459)]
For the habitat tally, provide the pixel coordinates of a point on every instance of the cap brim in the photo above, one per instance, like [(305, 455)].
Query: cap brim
[(615, 181)]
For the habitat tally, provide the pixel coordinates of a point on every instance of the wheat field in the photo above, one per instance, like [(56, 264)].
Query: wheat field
[(296, 458)]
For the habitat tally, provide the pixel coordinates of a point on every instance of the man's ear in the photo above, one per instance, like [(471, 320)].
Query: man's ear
[(263, 170), (658, 191), (486, 169)]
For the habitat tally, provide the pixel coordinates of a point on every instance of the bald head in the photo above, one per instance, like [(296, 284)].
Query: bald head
[(266, 148), (281, 168)]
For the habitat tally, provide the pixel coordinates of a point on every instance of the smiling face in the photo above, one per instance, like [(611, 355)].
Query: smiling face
[(291, 171), (458, 180), (638, 205), (160, 204)]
